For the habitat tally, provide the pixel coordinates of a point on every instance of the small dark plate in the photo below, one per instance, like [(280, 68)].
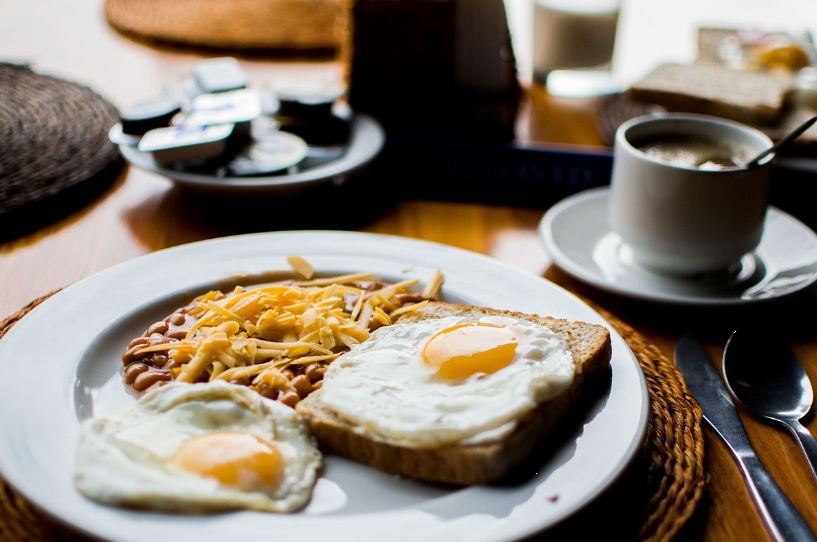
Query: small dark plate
[(322, 165)]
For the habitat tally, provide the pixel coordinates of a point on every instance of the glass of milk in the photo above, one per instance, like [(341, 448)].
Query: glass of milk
[(573, 44)]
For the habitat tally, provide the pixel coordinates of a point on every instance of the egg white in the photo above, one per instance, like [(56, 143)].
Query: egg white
[(384, 389), (126, 459)]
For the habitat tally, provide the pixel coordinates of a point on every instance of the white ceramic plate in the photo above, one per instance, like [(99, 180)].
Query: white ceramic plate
[(61, 364), (576, 236)]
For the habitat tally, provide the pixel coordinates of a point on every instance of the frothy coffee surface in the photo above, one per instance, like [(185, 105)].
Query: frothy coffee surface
[(695, 151)]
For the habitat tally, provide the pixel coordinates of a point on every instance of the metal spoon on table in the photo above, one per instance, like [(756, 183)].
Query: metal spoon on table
[(782, 142), (766, 377)]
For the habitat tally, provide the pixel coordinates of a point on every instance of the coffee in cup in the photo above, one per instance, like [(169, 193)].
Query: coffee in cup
[(692, 151), (681, 196)]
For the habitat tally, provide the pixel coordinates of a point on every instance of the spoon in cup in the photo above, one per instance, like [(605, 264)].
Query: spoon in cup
[(767, 378), (782, 142)]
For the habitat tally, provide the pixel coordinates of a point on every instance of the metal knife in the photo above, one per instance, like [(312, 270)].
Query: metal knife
[(783, 520)]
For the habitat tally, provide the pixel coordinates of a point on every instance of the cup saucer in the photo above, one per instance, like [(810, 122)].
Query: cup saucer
[(576, 236)]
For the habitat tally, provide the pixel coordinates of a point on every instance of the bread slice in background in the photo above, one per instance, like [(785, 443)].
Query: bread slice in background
[(710, 88), (482, 463)]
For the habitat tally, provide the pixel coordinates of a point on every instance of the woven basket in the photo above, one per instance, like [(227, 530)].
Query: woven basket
[(55, 152)]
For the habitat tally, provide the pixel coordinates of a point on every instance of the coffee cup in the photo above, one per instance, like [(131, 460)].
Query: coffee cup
[(681, 197)]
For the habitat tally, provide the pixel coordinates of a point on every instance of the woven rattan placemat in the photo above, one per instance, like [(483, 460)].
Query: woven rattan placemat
[(240, 25), (54, 147), (671, 457)]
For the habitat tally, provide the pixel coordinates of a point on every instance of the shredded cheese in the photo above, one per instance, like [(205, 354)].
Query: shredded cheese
[(301, 266), (256, 333)]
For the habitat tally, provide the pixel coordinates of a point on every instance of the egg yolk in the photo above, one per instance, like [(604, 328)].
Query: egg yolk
[(465, 350), (233, 458)]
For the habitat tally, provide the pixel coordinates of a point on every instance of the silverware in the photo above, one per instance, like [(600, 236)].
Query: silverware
[(766, 377), (782, 519), (782, 142)]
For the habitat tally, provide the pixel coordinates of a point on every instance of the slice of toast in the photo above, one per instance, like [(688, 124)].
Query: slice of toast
[(482, 463), (713, 89)]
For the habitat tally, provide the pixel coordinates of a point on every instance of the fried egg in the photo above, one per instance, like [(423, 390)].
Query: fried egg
[(198, 448), (450, 380)]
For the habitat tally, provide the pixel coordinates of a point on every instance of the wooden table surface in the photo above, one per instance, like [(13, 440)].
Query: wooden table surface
[(142, 212)]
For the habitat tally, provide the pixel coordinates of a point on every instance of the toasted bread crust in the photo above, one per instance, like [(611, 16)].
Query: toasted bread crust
[(475, 463)]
